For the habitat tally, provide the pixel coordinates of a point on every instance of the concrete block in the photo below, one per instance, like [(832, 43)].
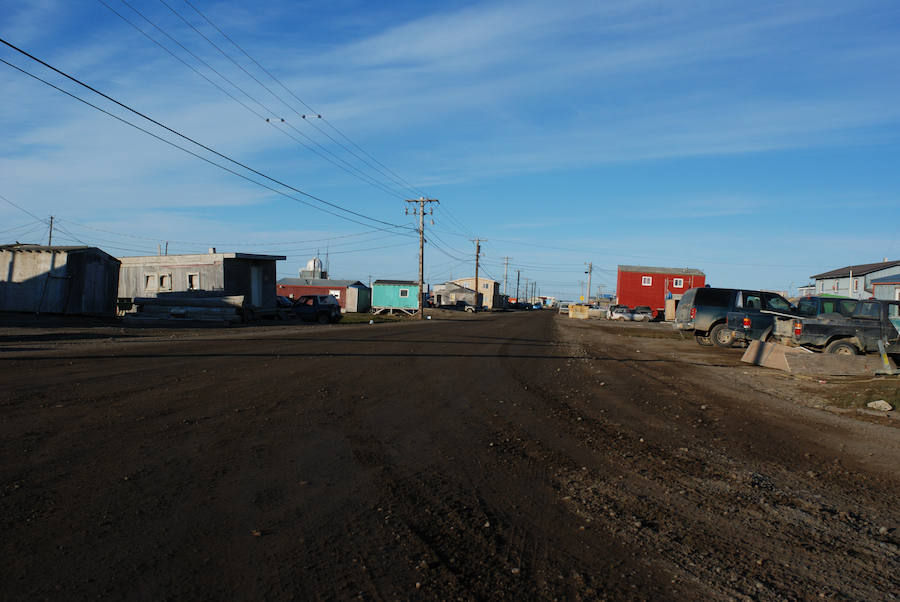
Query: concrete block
[(801, 361), (579, 312)]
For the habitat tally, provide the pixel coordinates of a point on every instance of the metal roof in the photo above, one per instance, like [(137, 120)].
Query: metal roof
[(858, 270), (653, 270), (396, 282), (319, 282), (895, 279), (132, 259), (31, 248)]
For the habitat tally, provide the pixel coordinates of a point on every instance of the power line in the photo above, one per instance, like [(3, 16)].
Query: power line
[(179, 134), (337, 161), (385, 171)]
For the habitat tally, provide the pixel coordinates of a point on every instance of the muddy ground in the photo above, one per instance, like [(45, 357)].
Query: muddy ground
[(496, 456)]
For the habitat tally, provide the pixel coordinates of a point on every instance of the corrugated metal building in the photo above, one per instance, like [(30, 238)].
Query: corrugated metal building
[(651, 286), (227, 274), (886, 288), (60, 280), (353, 295), (391, 295), (854, 281)]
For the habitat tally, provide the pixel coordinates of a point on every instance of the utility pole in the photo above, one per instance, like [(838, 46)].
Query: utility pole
[(527, 290), (477, 242), (505, 276), (420, 211), (50, 241), (589, 272), (518, 273)]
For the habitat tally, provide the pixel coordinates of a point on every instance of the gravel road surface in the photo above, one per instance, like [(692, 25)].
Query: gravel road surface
[(496, 456)]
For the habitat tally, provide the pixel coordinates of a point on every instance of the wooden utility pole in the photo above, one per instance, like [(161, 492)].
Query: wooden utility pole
[(518, 273), (477, 242), (590, 270), (420, 211), (50, 241), (506, 276)]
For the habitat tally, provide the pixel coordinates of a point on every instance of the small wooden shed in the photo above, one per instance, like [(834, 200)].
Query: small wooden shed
[(71, 280)]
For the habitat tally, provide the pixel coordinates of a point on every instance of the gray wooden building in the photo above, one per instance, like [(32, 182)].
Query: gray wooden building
[(854, 281), (71, 280), (453, 294), (221, 274)]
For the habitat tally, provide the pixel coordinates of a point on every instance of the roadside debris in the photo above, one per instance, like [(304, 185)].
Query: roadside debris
[(880, 404)]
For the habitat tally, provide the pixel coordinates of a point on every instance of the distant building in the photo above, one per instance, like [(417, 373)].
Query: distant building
[(395, 295), (209, 274), (886, 288), (854, 281), (488, 289), (451, 293), (58, 280), (353, 295), (651, 286)]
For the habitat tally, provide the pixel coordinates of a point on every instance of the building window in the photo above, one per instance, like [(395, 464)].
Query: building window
[(336, 293), (193, 282), (149, 282), (678, 283), (485, 286), (856, 284), (646, 280), (165, 282), (404, 292)]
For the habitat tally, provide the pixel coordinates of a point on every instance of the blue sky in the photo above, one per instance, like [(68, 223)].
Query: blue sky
[(755, 141)]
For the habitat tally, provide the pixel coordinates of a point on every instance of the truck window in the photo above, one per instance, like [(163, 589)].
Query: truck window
[(867, 310), (777, 303), (894, 315), (752, 302), (847, 307), (714, 297), (807, 307)]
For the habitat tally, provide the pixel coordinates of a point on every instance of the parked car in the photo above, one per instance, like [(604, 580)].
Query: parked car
[(871, 321), (621, 312), (642, 313), (754, 314), (323, 309), (564, 307), (612, 308), (705, 312)]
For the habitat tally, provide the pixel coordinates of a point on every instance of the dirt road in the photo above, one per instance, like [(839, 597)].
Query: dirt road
[(511, 456)]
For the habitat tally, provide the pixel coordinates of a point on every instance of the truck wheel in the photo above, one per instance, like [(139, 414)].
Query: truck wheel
[(324, 319), (721, 336), (841, 347), (704, 341)]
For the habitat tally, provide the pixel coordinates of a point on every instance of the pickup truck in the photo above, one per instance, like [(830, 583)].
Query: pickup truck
[(705, 310), (755, 315), (323, 309), (871, 321)]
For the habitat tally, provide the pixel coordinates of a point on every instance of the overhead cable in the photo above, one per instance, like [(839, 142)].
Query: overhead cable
[(183, 136)]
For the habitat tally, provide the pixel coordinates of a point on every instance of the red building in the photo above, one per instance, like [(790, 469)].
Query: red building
[(353, 295), (643, 285)]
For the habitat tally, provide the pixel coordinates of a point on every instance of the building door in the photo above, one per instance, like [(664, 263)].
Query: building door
[(255, 285)]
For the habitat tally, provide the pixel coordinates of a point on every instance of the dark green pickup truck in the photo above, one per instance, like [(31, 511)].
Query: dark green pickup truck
[(871, 321), (756, 315)]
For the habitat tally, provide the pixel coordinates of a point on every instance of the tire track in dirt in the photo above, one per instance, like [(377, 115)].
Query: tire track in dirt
[(722, 511)]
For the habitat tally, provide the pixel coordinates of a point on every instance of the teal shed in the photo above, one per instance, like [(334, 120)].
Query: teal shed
[(395, 295)]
